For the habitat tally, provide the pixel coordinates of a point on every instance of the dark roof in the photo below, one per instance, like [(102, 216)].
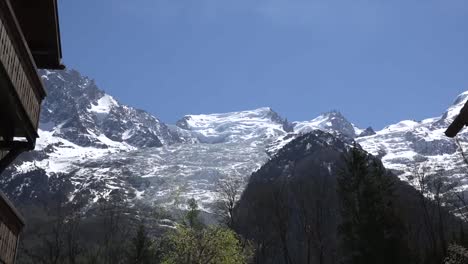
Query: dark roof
[(39, 23)]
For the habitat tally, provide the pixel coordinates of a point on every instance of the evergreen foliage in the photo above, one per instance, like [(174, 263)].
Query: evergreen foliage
[(371, 232), (192, 219)]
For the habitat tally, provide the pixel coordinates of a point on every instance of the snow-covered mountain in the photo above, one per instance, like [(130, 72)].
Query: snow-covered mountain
[(333, 122), (97, 146), (101, 146), (76, 110), (411, 145)]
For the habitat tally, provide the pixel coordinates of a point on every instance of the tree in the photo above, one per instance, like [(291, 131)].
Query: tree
[(281, 216), (192, 219), (110, 231), (260, 226), (53, 232), (456, 255), (229, 190), (140, 251), (214, 245), (314, 202), (370, 230), (193, 243), (435, 193), (114, 223)]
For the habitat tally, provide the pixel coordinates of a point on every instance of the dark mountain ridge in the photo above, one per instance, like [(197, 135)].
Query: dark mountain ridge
[(300, 184)]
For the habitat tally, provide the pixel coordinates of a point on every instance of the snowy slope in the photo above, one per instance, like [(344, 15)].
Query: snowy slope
[(262, 124), (414, 145)]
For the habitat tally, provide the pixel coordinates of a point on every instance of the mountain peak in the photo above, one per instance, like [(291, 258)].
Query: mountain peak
[(78, 111), (264, 109), (333, 113), (461, 98), (367, 132), (332, 121)]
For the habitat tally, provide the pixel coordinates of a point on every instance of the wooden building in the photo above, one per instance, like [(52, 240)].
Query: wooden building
[(11, 224), (29, 39)]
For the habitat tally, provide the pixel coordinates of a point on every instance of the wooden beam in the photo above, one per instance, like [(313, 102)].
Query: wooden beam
[(460, 121), (11, 145), (9, 158)]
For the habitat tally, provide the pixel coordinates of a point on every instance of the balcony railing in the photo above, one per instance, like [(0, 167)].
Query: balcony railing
[(16, 60)]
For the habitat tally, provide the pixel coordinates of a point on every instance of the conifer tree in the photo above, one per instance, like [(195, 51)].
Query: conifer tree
[(192, 219), (370, 230)]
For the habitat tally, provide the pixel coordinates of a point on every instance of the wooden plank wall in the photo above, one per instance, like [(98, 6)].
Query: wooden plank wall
[(8, 244), (3, 154), (15, 67)]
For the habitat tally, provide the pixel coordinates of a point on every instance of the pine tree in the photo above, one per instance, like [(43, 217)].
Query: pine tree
[(370, 230), (192, 219)]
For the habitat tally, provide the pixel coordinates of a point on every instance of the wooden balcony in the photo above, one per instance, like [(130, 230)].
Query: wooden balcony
[(21, 89)]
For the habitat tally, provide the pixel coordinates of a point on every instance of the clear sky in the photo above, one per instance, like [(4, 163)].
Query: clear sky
[(377, 61)]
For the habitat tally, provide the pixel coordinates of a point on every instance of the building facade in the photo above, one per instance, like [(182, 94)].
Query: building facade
[(29, 39), (10, 227)]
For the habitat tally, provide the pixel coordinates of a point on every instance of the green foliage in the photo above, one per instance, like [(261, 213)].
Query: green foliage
[(211, 245), (195, 243), (192, 219)]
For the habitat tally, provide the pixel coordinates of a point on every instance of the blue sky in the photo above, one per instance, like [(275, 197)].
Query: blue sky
[(378, 61)]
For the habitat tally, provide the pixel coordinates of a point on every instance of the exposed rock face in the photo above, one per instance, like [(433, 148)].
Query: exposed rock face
[(76, 110), (368, 132)]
